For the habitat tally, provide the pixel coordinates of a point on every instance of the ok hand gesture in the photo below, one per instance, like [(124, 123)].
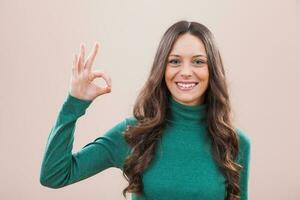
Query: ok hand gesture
[(81, 84)]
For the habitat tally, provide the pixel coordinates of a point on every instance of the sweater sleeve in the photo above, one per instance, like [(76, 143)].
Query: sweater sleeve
[(60, 167), (244, 160)]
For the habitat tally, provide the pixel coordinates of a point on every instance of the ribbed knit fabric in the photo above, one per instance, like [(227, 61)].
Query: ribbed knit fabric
[(183, 167)]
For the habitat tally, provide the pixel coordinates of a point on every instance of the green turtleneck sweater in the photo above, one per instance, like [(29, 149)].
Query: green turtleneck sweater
[(183, 167)]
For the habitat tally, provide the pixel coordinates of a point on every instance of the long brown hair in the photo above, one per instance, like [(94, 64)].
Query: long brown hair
[(151, 106)]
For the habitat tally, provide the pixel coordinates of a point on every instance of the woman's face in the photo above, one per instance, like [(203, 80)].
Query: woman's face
[(186, 72)]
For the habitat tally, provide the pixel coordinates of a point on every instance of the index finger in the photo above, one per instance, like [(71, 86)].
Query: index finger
[(103, 75), (91, 58)]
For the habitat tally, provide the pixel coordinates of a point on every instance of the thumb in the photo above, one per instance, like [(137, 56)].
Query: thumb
[(103, 90)]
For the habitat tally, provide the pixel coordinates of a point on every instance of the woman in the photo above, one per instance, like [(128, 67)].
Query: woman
[(180, 142)]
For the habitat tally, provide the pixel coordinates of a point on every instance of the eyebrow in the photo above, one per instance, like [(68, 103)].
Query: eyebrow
[(198, 55)]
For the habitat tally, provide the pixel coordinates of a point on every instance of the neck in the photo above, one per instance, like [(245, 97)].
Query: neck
[(191, 115)]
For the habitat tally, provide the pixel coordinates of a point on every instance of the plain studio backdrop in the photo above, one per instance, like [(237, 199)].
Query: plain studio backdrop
[(259, 42)]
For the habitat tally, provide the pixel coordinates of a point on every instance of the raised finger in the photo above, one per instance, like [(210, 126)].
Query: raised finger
[(75, 66), (81, 58), (91, 58), (83, 53)]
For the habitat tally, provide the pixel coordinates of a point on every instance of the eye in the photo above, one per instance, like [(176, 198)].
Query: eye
[(199, 62), (174, 61)]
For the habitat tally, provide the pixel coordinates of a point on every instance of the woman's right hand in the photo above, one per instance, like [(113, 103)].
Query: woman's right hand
[(81, 83)]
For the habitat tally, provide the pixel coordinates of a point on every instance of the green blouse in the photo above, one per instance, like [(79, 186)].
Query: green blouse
[(183, 167)]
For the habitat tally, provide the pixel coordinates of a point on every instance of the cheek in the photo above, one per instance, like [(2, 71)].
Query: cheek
[(205, 79), (169, 74), (203, 75)]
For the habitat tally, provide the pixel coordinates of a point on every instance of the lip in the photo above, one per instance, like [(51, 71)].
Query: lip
[(187, 82)]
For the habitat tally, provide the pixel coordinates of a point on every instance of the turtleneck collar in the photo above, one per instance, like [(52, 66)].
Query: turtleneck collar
[(189, 115)]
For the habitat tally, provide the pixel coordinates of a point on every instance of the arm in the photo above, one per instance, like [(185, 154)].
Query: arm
[(60, 167), (244, 160)]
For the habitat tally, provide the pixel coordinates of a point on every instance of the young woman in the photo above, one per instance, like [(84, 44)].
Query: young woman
[(180, 142)]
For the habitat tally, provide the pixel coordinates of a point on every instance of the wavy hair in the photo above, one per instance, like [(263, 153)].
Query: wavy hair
[(150, 110)]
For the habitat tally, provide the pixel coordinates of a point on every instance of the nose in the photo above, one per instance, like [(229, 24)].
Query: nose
[(186, 71)]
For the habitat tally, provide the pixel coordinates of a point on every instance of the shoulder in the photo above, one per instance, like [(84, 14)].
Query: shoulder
[(244, 145), (122, 125), (244, 139), (117, 131), (131, 120)]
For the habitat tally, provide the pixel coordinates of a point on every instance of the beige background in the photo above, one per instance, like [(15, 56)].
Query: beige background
[(259, 42)]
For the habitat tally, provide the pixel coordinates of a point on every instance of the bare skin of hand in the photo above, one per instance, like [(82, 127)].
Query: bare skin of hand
[(81, 83)]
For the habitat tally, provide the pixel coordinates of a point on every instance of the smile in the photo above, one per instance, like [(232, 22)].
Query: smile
[(186, 86)]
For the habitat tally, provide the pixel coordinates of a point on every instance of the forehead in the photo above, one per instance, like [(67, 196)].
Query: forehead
[(188, 45)]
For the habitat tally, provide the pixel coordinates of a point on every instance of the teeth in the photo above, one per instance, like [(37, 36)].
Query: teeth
[(186, 85)]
